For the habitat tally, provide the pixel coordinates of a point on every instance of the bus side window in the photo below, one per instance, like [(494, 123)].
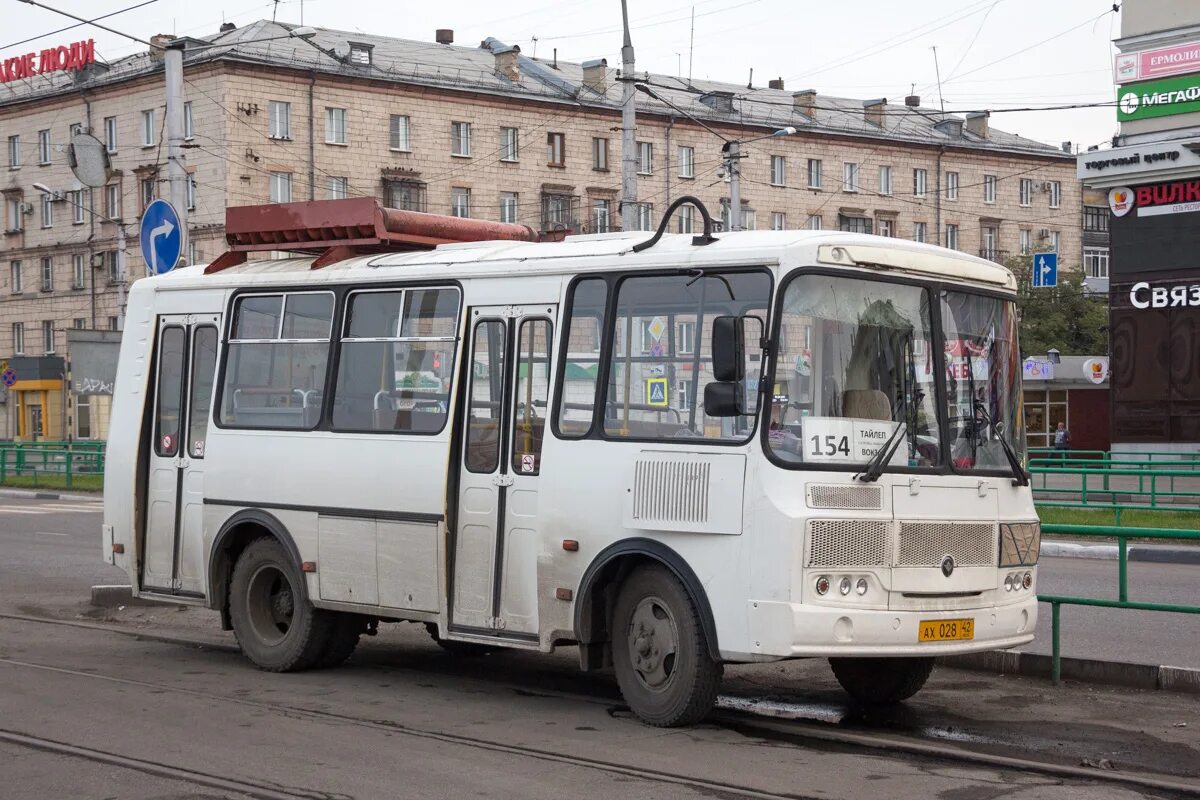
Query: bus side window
[(533, 387), (581, 360), (204, 364)]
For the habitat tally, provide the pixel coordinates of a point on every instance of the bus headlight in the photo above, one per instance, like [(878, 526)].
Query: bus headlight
[(861, 586), (844, 586), (823, 585), (1020, 543), (1008, 582), (1027, 580)]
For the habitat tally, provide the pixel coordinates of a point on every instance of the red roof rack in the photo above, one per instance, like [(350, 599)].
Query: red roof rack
[(339, 229)]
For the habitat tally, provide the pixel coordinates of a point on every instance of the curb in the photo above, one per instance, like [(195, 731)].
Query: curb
[(1108, 552), (114, 596), (34, 494), (1112, 673)]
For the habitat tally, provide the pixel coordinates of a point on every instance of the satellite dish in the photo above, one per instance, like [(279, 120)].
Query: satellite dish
[(89, 160), (342, 50)]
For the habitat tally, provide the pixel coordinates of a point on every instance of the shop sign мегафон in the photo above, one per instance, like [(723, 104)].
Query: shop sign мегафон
[(1161, 98)]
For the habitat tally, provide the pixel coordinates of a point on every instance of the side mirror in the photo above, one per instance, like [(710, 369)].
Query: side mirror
[(724, 399), (728, 350)]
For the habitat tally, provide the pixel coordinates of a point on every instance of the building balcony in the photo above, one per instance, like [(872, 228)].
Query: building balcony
[(993, 254)]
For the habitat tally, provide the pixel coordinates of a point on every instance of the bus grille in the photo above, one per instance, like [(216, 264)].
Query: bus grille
[(925, 544), (671, 491), (837, 496), (849, 543)]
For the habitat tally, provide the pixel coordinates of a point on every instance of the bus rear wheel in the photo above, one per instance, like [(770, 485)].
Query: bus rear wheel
[(881, 681), (276, 626), (659, 651)]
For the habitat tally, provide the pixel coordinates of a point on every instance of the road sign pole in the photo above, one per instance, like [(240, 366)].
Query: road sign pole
[(176, 171)]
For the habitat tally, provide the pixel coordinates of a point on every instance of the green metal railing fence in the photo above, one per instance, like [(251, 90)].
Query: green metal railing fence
[(62, 463), (1122, 535)]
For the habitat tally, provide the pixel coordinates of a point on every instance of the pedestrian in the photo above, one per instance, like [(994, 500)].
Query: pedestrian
[(1062, 440)]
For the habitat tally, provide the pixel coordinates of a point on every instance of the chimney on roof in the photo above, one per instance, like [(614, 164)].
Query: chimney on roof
[(444, 36), (913, 101), (507, 65), (873, 111), (951, 126), (158, 45), (805, 101), (595, 75), (977, 123), (226, 27), (775, 83)]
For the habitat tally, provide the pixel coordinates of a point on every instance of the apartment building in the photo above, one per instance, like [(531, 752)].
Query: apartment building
[(476, 131)]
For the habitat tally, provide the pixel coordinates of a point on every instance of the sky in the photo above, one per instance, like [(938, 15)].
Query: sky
[(993, 55)]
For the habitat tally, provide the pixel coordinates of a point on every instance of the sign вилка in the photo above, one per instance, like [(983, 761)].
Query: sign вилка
[(1161, 98)]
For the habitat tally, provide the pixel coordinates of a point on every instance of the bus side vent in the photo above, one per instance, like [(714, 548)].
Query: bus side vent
[(671, 491), (835, 496), (970, 544), (850, 543)]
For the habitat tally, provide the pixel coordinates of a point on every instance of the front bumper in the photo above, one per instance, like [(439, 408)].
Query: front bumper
[(789, 630)]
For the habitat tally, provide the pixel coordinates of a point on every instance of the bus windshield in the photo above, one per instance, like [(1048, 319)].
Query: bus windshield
[(855, 362)]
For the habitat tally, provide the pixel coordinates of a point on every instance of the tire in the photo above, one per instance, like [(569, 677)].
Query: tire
[(345, 630), (659, 651), (455, 648), (276, 626), (881, 681)]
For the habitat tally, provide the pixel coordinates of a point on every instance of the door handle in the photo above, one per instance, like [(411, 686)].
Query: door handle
[(502, 480)]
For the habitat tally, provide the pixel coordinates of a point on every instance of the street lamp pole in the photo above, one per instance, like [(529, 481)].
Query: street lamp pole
[(177, 177), (733, 154)]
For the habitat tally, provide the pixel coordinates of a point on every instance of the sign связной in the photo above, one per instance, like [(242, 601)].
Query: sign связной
[(1160, 62), (74, 56), (1161, 98)]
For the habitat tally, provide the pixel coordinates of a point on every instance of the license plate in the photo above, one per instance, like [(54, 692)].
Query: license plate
[(946, 630)]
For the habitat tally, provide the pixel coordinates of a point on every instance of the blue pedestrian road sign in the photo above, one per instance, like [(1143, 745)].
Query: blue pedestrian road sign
[(1045, 270), (656, 392), (162, 237)]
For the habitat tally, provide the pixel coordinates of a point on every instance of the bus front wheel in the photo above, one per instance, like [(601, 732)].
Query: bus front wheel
[(881, 681), (276, 626), (660, 655)]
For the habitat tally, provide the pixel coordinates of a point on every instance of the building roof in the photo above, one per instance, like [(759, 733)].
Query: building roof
[(455, 67)]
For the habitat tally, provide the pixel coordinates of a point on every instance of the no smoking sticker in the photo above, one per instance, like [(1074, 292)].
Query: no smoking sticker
[(528, 463), (168, 442)]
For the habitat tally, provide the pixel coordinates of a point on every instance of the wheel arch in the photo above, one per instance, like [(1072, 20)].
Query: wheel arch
[(233, 537), (597, 594)]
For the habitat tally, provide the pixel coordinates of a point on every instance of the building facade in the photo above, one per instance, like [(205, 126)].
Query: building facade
[(482, 132)]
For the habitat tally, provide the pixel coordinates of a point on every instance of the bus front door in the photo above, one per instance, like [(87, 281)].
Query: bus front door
[(496, 544), (172, 558)]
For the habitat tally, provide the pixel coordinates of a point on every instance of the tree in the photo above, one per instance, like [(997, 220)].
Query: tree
[(1065, 317)]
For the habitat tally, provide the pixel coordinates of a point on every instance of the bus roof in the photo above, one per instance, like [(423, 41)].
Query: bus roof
[(600, 252)]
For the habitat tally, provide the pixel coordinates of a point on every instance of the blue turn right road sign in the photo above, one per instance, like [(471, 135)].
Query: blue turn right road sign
[(162, 237)]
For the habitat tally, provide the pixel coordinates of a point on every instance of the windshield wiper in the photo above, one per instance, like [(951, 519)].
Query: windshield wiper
[(882, 456), (1022, 477)]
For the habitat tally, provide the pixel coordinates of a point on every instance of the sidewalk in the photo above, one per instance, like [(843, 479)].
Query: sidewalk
[(1153, 553)]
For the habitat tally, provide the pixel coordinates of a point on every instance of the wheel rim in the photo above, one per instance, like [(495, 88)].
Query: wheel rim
[(653, 643), (271, 603)]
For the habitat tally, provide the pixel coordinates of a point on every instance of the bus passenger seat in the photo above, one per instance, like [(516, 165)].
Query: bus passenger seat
[(866, 404)]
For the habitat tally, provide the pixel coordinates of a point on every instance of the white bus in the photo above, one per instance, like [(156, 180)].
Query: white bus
[(671, 452)]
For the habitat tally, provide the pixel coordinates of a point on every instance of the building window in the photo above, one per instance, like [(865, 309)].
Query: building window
[(1055, 242), (18, 336), (112, 201), (885, 180), (189, 131), (44, 147), (849, 176), (404, 195), (599, 154), (952, 236), (920, 182), (989, 236), (79, 323), (110, 134), (1055, 194), (114, 324), (281, 187), (685, 218), (1044, 409), (556, 149), (191, 192), (193, 253), (47, 274), (149, 130), (1026, 241), (460, 139), (813, 223), (749, 219), (854, 224), (951, 185), (399, 129), (337, 187), (78, 271), (335, 126), (460, 201), (557, 211), (148, 191), (16, 275), (645, 158), (14, 219), (361, 54), (687, 161), (76, 200), (778, 171), (778, 221), (685, 338), (885, 227), (14, 151), (47, 336), (989, 188), (601, 215), (814, 173), (1026, 197), (1095, 262), (645, 216), (509, 140), (83, 414), (114, 266), (508, 206), (47, 210), (75, 129), (279, 119), (920, 231), (1095, 219)]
